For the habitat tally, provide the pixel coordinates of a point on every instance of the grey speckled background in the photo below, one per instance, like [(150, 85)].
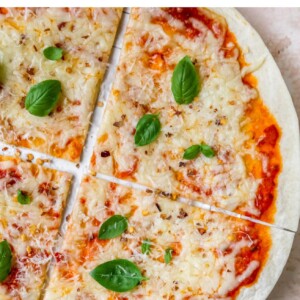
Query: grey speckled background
[(280, 29)]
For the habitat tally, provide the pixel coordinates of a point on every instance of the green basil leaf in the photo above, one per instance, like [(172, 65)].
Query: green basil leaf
[(147, 130), (42, 97), (53, 53), (23, 198), (207, 150), (168, 255), (146, 245), (185, 81), (119, 275), (112, 227), (192, 152), (5, 260)]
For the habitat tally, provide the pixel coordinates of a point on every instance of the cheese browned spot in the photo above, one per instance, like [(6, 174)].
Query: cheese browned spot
[(30, 229), (86, 36), (227, 115), (213, 255)]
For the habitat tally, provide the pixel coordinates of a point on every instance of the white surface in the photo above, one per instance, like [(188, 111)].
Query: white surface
[(280, 29)]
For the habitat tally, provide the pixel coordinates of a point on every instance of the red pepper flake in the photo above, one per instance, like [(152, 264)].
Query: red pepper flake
[(30, 71), (118, 124), (59, 257), (182, 214), (201, 230), (105, 153), (61, 25), (44, 188)]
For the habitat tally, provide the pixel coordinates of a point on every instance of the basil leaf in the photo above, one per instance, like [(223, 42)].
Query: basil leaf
[(146, 245), (42, 97), (147, 130), (5, 260), (192, 152), (23, 198), (168, 255), (207, 150), (53, 53), (119, 275), (112, 227), (185, 81)]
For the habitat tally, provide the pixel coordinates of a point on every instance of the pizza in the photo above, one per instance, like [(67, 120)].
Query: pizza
[(193, 175), (72, 47), (183, 252), (32, 199), (191, 113)]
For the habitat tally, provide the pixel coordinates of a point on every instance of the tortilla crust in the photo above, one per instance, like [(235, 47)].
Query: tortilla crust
[(280, 104)]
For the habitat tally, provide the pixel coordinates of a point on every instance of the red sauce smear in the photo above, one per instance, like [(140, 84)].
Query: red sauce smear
[(12, 176), (127, 173), (267, 189), (3, 11), (186, 16), (12, 282), (91, 248), (266, 136), (256, 251)]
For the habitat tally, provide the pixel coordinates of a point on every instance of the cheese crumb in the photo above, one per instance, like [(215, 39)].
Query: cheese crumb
[(18, 153), (28, 249), (30, 157), (23, 237), (131, 229), (39, 161)]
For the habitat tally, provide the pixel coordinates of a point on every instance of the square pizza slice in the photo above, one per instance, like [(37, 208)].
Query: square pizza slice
[(123, 243), (70, 47), (184, 118), (32, 199)]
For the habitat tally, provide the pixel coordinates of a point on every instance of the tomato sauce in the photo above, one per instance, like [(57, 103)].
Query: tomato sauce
[(12, 175), (91, 248), (265, 133), (72, 149), (127, 173), (186, 15), (256, 251)]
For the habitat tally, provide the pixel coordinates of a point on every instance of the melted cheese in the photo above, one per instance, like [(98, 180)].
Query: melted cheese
[(29, 229), (205, 246), (143, 85), (86, 36)]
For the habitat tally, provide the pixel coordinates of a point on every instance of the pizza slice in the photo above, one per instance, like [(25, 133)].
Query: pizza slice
[(185, 115), (32, 199), (52, 62), (123, 243)]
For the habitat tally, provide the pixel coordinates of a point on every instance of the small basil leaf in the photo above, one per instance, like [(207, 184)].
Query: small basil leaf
[(119, 275), (5, 260), (207, 150), (53, 53), (185, 81), (42, 97), (168, 255), (23, 198), (147, 130), (192, 152), (113, 227), (146, 245)]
